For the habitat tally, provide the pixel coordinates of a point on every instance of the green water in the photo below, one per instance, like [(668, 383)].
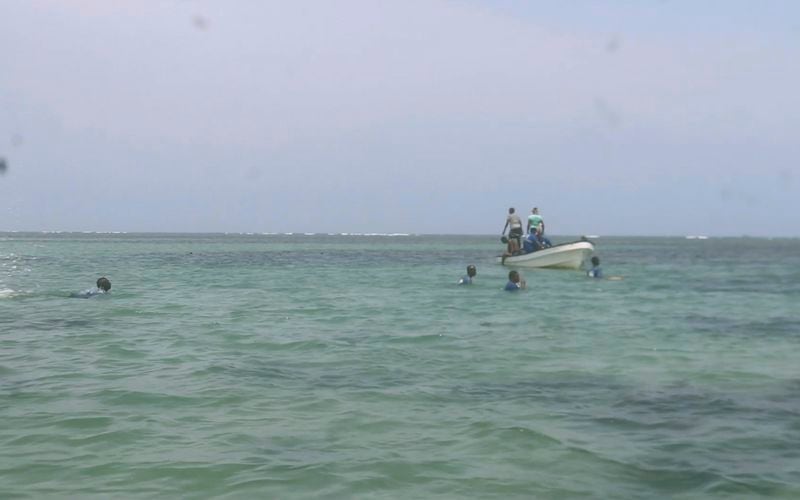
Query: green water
[(257, 366)]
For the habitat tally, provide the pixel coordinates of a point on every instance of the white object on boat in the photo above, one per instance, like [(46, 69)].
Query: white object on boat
[(564, 256)]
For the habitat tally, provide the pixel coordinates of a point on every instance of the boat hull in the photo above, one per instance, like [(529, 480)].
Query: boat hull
[(564, 256)]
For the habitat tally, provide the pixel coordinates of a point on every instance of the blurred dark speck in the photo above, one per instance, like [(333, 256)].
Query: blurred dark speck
[(613, 44), (253, 174), (3, 166), (200, 23), (606, 113), (785, 178), (740, 197)]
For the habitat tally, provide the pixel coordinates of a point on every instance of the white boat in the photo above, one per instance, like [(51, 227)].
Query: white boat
[(563, 256)]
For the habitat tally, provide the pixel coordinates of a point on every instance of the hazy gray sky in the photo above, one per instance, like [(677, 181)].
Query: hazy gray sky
[(614, 117)]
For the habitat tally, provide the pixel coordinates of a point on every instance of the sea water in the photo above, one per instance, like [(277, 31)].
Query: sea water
[(347, 366)]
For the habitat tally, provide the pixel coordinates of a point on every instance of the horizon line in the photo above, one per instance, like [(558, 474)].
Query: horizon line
[(383, 234)]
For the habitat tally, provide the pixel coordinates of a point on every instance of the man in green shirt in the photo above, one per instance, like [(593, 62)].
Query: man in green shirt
[(536, 226), (535, 222)]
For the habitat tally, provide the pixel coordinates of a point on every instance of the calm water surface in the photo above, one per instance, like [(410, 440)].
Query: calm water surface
[(266, 366)]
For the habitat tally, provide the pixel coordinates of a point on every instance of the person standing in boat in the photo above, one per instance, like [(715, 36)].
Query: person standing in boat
[(514, 226), (536, 227)]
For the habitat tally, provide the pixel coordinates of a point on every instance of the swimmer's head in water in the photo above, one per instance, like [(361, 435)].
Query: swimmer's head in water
[(595, 261), (471, 271), (103, 284), (513, 277)]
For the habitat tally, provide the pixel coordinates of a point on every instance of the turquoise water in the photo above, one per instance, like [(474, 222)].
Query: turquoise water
[(258, 366)]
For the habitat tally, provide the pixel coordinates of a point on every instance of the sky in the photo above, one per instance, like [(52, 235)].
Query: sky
[(430, 117)]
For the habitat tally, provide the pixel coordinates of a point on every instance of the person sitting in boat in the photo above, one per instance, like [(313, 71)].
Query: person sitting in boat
[(103, 287), (514, 226), (536, 227), (531, 243), (515, 283), (471, 272)]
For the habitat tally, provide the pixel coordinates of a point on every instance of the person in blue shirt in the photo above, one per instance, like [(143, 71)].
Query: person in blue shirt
[(103, 287), (514, 282), (471, 272), (531, 243), (595, 271)]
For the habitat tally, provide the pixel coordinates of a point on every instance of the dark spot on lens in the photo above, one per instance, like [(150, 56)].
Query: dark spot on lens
[(200, 23)]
